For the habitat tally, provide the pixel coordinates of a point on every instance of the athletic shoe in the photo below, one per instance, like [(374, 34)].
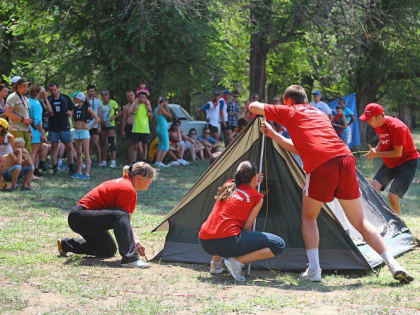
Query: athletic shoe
[(38, 173), (400, 273), (102, 164), (174, 163), (77, 176), (60, 249), (113, 164), (137, 264), (312, 275), (55, 168), (84, 177), (183, 162), (160, 164), (216, 267), (234, 268)]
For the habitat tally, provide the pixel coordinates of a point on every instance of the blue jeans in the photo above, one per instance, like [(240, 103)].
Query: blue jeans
[(7, 174), (244, 243), (64, 136)]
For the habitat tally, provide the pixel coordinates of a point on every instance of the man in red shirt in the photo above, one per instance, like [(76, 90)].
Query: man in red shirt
[(331, 172), (398, 153)]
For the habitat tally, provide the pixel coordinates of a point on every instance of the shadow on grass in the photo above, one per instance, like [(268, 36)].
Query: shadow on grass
[(90, 261)]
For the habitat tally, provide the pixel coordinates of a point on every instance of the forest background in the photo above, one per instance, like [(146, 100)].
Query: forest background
[(185, 49)]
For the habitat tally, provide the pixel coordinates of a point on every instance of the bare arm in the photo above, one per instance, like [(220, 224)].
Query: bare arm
[(351, 119), (12, 116), (395, 153), (256, 108), (252, 215), (90, 111)]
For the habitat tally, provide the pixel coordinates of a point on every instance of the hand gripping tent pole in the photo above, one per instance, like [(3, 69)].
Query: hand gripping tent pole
[(259, 184)]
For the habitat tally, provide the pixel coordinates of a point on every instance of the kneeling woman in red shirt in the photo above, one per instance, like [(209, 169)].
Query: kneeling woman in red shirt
[(226, 233), (109, 206)]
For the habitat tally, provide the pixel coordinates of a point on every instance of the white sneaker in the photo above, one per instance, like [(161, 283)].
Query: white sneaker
[(137, 264), (183, 162), (234, 268), (160, 164), (312, 275), (113, 164), (216, 267), (174, 163), (399, 273), (102, 164)]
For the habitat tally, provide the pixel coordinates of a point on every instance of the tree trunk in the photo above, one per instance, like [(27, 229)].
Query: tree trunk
[(259, 20), (272, 90), (406, 115)]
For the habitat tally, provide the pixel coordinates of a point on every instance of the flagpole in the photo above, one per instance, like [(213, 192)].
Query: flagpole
[(258, 188)]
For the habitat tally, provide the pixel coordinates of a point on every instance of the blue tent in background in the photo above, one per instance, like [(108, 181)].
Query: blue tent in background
[(351, 104)]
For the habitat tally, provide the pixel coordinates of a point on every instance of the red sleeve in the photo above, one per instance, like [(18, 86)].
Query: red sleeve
[(255, 198), (276, 113), (398, 136), (127, 200)]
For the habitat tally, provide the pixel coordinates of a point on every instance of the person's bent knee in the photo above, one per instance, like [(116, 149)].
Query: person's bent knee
[(277, 245), (376, 185)]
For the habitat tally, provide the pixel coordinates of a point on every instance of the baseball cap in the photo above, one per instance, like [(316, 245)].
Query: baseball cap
[(22, 81), (338, 106), (79, 95), (372, 109), (226, 92), (15, 79), (316, 93)]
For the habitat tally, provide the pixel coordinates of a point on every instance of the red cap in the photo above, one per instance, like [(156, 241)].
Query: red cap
[(371, 110)]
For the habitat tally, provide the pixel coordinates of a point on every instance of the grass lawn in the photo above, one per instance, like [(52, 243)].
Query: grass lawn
[(34, 279)]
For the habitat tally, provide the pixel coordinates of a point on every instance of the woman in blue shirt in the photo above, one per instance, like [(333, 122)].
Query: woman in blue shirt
[(38, 133), (161, 113)]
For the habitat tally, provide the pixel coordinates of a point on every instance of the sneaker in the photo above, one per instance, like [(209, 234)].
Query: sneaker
[(102, 164), (312, 275), (174, 163), (234, 268), (60, 249), (77, 176), (84, 177), (160, 164), (113, 164), (55, 168), (137, 264), (400, 274), (38, 173), (183, 162), (216, 267)]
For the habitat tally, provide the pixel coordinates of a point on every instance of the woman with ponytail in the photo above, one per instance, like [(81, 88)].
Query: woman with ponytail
[(227, 235), (109, 206)]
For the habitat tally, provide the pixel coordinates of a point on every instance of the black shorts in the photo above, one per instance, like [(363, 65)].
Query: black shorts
[(108, 128), (401, 177), (127, 130), (93, 131), (213, 128), (140, 137)]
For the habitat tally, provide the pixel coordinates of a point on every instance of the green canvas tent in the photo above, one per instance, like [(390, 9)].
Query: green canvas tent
[(341, 246)]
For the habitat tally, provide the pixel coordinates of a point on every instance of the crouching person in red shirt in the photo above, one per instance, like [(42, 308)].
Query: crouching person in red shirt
[(397, 150), (109, 206), (227, 231), (331, 172)]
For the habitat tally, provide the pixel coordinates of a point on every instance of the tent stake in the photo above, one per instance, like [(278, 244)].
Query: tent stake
[(258, 188)]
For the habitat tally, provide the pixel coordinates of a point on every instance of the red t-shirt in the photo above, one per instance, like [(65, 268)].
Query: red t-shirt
[(311, 131), (229, 216), (394, 133), (113, 194)]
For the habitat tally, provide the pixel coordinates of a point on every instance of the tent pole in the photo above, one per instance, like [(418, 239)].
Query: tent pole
[(258, 188)]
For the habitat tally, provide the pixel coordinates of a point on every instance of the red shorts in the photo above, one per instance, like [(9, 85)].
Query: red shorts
[(335, 178)]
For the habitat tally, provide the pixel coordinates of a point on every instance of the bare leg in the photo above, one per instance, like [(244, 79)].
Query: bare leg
[(69, 153), (354, 212), (181, 149), (263, 253), (376, 185), (78, 145), (27, 180), (86, 153), (394, 202), (192, 152), (103, 145), (144, 148), (310, 211), (15, 176), (35, 149), (54, 152)]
